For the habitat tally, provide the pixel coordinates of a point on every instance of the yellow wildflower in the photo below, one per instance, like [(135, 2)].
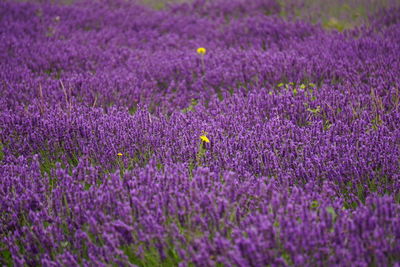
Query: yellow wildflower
[(204, 138), (201, 50), (119, 154)]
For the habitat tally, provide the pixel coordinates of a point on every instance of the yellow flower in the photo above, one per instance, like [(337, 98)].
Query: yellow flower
[(204, 138), (119, 154), (302, 86), (201, 50)]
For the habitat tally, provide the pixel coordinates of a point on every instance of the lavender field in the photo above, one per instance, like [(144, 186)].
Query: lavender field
[(208, 133)]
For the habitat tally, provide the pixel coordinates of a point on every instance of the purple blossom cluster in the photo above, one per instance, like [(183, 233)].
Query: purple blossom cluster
[(120, 144)]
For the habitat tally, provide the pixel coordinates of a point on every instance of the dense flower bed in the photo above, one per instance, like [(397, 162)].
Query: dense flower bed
[(123, 143)]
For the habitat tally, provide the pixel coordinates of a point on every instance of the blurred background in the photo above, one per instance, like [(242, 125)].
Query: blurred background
[(335, 14)]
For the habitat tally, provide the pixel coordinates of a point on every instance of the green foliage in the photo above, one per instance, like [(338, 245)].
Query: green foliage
[(287, 258), (314, 110), (334, 15), (333, 23), (201, 152), (191, 167), (161, 4), (1, 152), (331, 211), (151, 257), (314, 205), (140, 158), (46, 162), (5, 256), (133, 109), (191, 106)]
